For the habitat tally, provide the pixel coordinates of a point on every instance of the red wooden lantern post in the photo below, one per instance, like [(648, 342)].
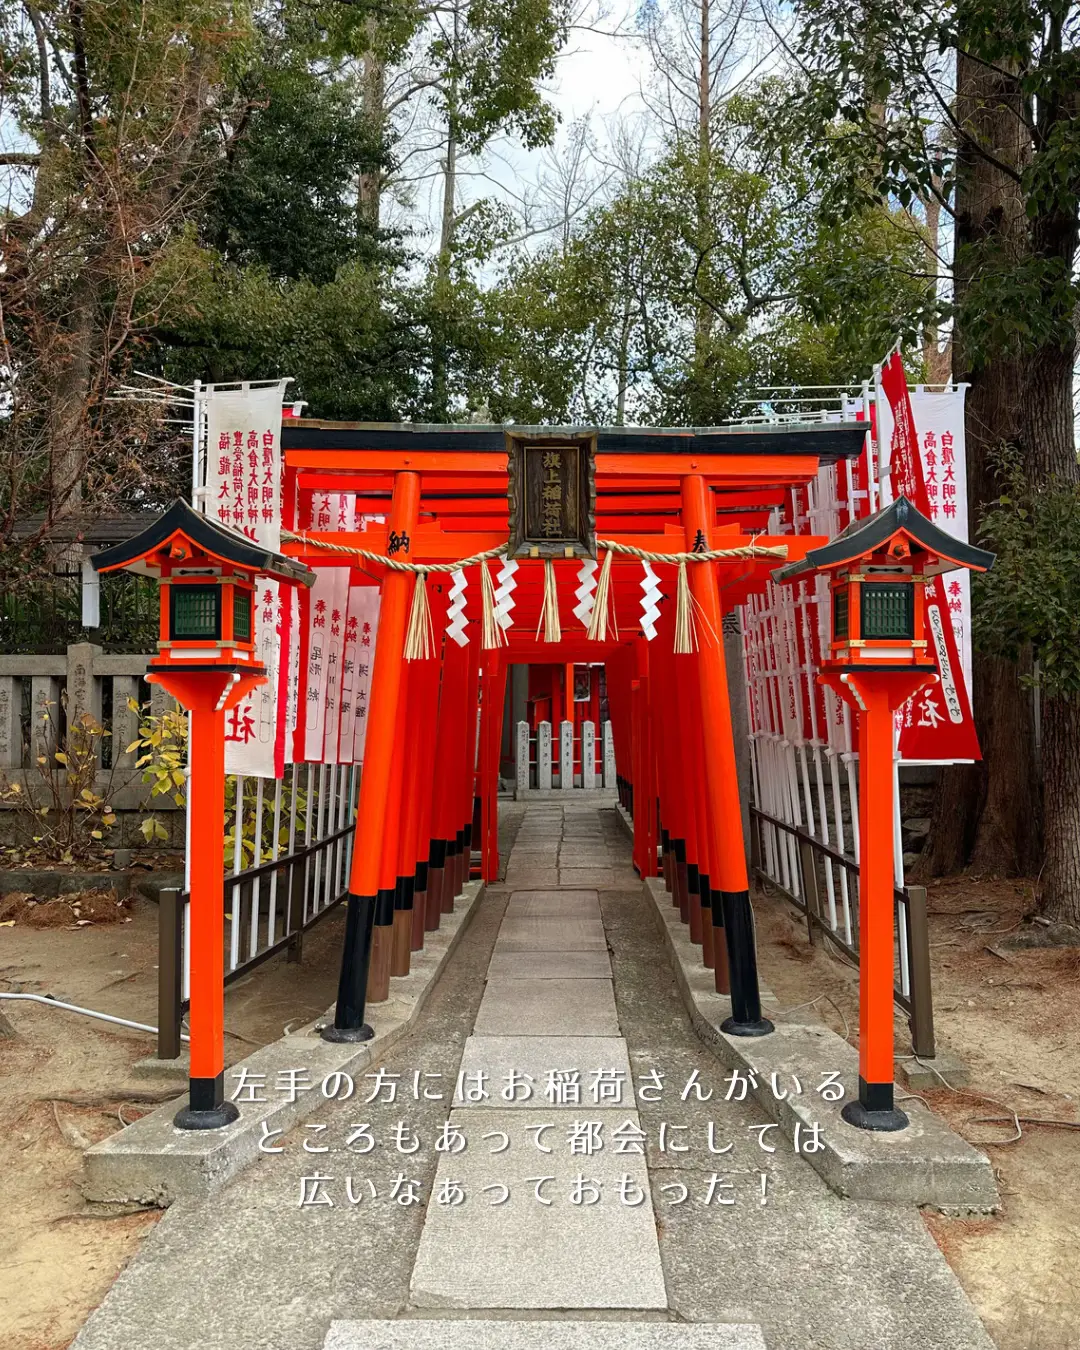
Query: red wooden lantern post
[(206, 661), (879, 656)]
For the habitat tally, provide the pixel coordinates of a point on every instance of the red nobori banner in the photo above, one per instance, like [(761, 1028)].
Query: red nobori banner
[(936, 725)]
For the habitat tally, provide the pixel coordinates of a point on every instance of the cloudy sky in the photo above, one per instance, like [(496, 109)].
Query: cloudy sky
[(599, 77)]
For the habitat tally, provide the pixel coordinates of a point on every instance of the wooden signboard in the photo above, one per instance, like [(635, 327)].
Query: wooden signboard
[(552, 495)]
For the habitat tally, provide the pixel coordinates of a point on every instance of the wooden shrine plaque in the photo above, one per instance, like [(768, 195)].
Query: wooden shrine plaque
[(552, 495)]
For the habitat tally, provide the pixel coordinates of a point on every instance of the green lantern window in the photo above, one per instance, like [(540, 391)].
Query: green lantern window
[(241, 615), (888, 610), (840, 613), (196, 611)]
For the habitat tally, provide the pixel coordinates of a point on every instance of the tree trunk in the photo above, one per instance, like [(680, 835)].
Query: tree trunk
[(1059, 886), (936, 362), (988, 814), (1048, 438), (440, 397), (372, 102), (703, 315), (975, 816)]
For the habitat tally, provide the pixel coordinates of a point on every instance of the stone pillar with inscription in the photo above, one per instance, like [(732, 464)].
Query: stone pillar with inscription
[(588, 755), (608, 738), (543, 756), (522, 759), (10, 722), (566, 754), (125, 721), (83, 686), (46, 717)]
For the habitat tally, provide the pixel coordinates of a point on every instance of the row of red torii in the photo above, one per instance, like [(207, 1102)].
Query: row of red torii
[(694, 504)]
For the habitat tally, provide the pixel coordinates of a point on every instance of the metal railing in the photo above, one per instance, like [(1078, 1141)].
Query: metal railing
[(295, 835), (43, 614), (802, 868)]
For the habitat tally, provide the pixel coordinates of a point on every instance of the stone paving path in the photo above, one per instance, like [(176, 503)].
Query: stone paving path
[(562, 968), (551, 1020)]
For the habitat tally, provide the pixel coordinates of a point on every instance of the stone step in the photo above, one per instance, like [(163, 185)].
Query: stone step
[(484, 1334)]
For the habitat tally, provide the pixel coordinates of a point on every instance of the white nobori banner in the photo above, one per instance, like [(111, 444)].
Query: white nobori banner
[(939, 425), (242, 489)]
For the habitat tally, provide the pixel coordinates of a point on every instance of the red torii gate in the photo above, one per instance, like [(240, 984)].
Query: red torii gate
[(444, 493)]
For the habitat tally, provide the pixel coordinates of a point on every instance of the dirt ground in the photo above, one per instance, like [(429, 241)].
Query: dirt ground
[(1011, 1017), (66, 1081)]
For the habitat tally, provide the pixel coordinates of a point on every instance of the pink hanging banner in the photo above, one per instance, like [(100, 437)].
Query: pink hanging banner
[(365, 604)]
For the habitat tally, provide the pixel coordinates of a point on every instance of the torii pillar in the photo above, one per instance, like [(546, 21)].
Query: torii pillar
[(369, 913), (726, 851)]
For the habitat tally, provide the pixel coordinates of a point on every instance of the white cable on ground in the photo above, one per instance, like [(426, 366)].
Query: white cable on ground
[(51, 1002)]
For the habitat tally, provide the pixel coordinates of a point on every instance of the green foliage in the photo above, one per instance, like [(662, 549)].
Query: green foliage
[(352, 343), (65, 809), (256, 850), (162, 745), (283, 199), (692, 286), (879, 73), (1031, 596), (495, 58)]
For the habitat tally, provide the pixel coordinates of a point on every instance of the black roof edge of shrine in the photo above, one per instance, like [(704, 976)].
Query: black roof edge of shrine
[(828, 440), (209, 534), (866, 535)]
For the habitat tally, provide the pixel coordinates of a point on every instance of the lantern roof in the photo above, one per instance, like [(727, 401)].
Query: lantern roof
[(872, 533), (220, 542)]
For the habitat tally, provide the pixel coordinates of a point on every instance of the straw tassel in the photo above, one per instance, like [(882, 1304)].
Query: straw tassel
[(685, 631), (419, 638), (493, 635), (603, 599), (549, 610)]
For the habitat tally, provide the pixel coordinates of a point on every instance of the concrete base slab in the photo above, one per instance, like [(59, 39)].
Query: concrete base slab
[(549, 1007), (527, 1254), (166, 1070), (564, 1334), (561, 934), (944, 1069), (925, 1164), (550, 966), (152, 1162), (539, 1057)]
